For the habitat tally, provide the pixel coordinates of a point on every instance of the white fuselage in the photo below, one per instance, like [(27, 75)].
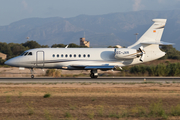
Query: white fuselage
[(71, 58)]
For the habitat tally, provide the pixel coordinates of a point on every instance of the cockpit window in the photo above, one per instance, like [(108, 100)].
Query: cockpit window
[(25, 53), (22, 54), (30, 53)]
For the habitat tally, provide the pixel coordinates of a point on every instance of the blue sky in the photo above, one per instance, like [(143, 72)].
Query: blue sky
[(14, 10)]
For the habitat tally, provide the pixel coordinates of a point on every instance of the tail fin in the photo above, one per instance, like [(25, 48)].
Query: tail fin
[(152, 35)]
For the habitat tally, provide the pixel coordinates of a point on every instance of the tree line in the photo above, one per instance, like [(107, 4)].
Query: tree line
[(171, 52), (170, 69)]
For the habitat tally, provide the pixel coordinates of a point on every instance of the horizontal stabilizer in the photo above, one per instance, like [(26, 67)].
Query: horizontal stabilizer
[(158, 43)]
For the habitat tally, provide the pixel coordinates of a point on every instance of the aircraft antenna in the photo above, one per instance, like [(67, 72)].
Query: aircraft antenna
[(66, 46)]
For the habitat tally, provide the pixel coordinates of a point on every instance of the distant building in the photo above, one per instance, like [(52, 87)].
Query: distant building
[(83, 42), (3, 56), (118, 46)]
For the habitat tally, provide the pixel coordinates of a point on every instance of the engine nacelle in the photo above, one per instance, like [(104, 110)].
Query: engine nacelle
[(125, 53)]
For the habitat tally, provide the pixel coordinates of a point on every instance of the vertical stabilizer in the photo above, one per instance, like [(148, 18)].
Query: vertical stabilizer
[(152, 35)]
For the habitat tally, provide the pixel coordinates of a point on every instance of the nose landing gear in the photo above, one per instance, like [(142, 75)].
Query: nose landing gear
[(32, 76), (94, 73), (32, 72)]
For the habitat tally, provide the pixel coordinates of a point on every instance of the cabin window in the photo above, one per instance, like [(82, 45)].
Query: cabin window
[(84, 55), (74, 55), (57, 55), (62, 55), (70, 55), (66, 55), (53, 55), (30, 53), (88, 55), (79, 55)]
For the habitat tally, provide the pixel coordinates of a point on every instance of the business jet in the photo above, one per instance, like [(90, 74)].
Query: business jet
[(143, 50)]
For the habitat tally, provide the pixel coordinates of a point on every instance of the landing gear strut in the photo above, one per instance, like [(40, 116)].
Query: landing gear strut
[(32, 72), (94, 73)]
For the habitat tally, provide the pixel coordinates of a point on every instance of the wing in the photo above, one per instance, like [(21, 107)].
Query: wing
[(90, 67)]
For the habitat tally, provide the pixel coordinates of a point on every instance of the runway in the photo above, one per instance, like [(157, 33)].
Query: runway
[(98, 80)]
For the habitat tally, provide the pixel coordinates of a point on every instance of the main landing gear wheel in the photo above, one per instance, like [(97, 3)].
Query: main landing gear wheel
[(94, 74)]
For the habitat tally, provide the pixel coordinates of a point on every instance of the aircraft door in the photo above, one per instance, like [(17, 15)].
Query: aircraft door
[(40, 59)]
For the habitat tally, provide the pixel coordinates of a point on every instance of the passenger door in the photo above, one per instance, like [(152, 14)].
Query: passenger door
[(40, 59)]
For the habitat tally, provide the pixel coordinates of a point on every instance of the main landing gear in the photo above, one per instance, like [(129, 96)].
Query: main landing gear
[(32, 73), (94, 73)]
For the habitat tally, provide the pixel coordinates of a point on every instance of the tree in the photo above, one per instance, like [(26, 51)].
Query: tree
[(31, 44), (17, 49), (71, 45), (58, 45), (171, 52), (1, 61), (5, 48)]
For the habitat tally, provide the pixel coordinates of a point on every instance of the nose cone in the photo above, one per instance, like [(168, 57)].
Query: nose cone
[(9, 62), (6, 62), (12, 62)]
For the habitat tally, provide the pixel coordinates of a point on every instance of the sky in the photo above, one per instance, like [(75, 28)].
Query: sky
[(14, 10)]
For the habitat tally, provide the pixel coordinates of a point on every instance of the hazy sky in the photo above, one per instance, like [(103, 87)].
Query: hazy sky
[(14, 10)]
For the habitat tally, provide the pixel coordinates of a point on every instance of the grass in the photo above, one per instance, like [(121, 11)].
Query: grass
[(92, 102), (30, 109), (156, 109), (72, 107), (114, 115), (175, 110), (47, 115), (91, 114), (47, 95), (89, 83), (85, 83), (67, 115), (101, 111), (8, 99), (53, 72), (124, 114), (20, 94), (139, 111), (93, 99)]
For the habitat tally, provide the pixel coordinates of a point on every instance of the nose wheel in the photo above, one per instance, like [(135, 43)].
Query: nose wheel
[(32, 73), (94, 73), (32, 76)]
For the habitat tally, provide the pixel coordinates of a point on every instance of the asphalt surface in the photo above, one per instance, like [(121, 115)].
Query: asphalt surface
[(100, 79)]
